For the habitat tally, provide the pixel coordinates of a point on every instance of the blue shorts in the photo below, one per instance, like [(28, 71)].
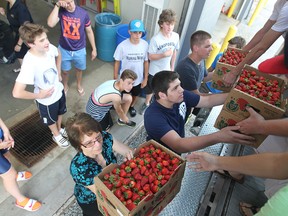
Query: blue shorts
[(78, 58), (49, 114), (4, 163)]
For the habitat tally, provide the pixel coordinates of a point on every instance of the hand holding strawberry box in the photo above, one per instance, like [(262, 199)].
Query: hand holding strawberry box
[(143, 184), (229, 60), (260, 91)]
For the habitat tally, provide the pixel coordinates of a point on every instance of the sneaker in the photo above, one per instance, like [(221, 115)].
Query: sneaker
[(63, 132), (132, 112), (129, 124), (16, 70), (61, 141), (143, 108)]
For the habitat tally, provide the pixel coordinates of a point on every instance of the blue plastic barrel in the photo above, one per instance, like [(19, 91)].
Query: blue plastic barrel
[(122, 33), (106, 25)]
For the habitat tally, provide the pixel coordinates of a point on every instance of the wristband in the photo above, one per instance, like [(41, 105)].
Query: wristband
[(19, 45), (57, 5)]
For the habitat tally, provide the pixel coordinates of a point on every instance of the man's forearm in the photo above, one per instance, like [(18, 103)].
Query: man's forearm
[(266, 165), (53, 17)]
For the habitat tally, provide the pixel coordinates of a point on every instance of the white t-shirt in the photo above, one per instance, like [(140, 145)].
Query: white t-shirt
[(159, 44), (280, 15), (42, 73), (132, 56)]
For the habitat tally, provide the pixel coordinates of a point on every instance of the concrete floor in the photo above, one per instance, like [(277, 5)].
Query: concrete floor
[(51, 183)]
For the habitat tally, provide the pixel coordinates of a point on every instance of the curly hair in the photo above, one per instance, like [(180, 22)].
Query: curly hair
[(167, 15), (79, 125)]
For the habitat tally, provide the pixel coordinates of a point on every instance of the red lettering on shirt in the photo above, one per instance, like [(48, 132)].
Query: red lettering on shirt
[(71, 27)]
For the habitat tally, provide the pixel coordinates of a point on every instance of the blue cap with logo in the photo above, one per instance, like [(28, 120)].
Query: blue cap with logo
[(136, 26)]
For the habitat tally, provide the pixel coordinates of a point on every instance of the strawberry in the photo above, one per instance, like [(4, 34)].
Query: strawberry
[(130, 206), (132, 184), (151, 178), (127, 194), (135, 198), (135, 171), (175, 160), (165, 171), (144, 180), (132, 165), (106, 176), (146, 187), (118, 193), (163, 182), (137, 176), (155, 188), (142, 170), (165, 163), (122, 173)]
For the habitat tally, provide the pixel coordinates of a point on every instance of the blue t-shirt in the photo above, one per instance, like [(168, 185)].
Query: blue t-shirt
[(83, 170), (73, 24), (219, 55), (159, 120), (191, 74)]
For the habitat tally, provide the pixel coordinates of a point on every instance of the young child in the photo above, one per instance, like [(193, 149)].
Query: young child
[(9, 174), (235, 42), (110, 94), (132, 54), (41, 68), (162, 50)]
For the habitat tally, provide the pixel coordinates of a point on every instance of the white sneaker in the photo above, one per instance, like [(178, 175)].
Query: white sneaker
[(61, 141), (63, 132)]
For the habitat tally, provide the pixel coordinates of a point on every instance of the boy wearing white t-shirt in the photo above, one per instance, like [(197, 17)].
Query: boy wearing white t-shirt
[(162, 51), (41, 68), (132, 54)]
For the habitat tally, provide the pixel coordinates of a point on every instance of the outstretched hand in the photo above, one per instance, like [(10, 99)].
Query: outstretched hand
[(202, 161), (231, 135), (130, 154)]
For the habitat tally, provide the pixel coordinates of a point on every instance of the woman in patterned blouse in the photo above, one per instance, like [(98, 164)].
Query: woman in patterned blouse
[(95, 151)]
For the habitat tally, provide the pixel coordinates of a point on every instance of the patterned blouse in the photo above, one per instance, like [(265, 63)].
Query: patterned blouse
[(83, 170)]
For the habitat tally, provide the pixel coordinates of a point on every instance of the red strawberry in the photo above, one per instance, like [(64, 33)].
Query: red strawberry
[(127, 194), (118, 193)]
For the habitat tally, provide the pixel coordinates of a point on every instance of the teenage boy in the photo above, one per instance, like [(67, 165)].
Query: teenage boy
[(132, 54), (75, 25), (162, 51), (110, 94), (41, 68), (164, 119)]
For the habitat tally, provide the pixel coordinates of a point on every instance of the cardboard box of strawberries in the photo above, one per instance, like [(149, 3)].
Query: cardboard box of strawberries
[(143, 185), (262, 92), (230, 58)]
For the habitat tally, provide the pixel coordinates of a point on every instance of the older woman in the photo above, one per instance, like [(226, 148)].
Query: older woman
[(95, 151)]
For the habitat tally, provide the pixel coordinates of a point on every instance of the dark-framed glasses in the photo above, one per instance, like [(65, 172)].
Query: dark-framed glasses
[(92, 142)]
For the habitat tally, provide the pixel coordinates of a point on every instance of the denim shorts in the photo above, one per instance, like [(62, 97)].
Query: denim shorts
[(4, 163), (78, 58)]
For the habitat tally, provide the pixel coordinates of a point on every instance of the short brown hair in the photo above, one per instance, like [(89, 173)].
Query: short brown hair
[(128, 74), (79, 125), (240, 42), (167, 15), (29, 31), (161, 82), (198, 37)]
